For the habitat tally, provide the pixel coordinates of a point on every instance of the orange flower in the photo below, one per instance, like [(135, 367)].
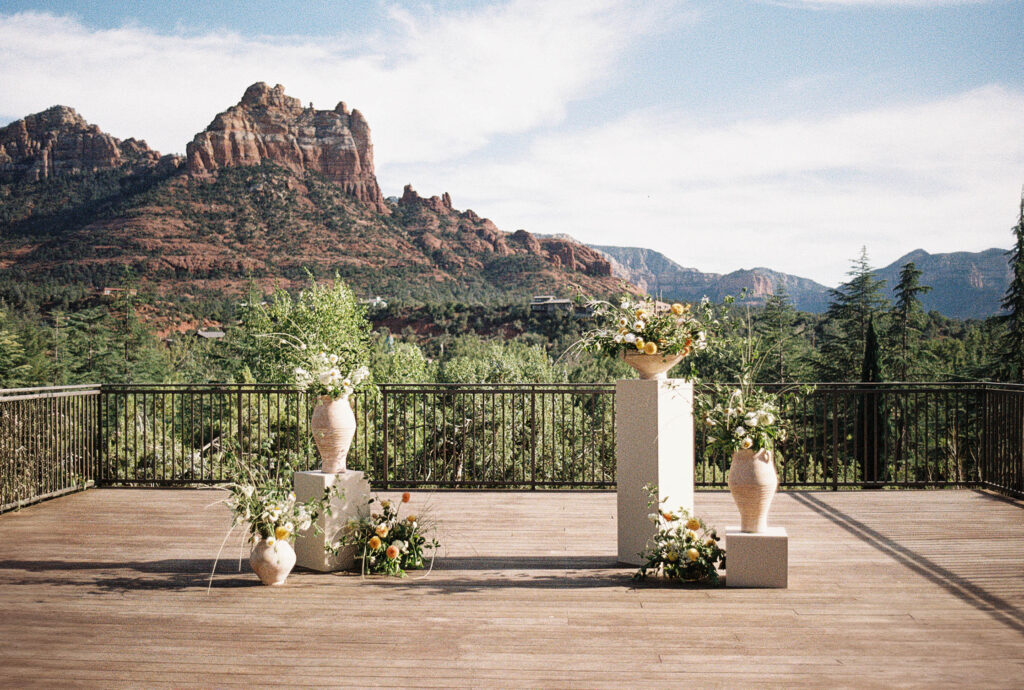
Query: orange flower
[(668, 516), (411, 519), (392, 552), (406, 497), (374, 543), (693, 523), (382, 531)]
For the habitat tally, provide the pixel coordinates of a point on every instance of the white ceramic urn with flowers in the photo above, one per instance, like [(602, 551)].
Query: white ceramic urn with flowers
[(333, 423), (748, 425), (650, 336)]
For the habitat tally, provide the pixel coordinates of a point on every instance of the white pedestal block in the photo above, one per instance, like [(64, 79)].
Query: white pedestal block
[(757, 559), (654, 445), (354, 504)]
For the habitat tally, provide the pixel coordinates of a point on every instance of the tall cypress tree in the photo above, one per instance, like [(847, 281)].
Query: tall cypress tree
[(854, 306), (1013, 303), (905, 325)]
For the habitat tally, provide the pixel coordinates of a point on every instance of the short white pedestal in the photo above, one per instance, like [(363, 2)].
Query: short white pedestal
[(757, 559), (654, 445), (354, 504)]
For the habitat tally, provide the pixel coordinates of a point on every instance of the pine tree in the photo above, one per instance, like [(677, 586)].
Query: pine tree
[(1013, 303), (868, 408), (906, 320), (776, 324), (855, 304)]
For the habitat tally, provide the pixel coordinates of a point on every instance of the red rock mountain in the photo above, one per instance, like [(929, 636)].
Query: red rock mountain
[(267, 125), (270, 191), (59, 141)]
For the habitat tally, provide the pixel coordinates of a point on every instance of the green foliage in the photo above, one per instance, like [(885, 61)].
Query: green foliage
[(476, 360), (276, 336), (906, 321)]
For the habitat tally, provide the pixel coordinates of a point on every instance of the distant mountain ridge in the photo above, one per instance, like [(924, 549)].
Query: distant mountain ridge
[(658, 275), (965, 285)]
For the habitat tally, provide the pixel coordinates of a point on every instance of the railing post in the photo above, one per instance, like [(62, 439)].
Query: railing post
[(384, 406), (98, 460), (533, 438)]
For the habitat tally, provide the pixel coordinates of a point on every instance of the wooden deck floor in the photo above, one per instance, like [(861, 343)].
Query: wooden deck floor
[(108, 588)]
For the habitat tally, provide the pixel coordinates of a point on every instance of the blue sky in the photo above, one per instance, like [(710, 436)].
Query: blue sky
[(726, 133)]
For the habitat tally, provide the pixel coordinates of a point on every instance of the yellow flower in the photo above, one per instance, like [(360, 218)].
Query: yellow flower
[(639, 313), (374, 543), (677, 309), (281, 533), (650, 348), (382, 531), (692, 554), (640, 344), (672, 556), (693, 523), (411, 519)]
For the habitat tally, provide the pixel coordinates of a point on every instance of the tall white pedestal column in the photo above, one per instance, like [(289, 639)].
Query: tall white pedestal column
[(353, 504), (654, 445)]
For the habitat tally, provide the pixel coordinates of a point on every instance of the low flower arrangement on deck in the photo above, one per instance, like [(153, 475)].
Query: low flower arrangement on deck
[(262, 500), (387, 543), (684, 547)]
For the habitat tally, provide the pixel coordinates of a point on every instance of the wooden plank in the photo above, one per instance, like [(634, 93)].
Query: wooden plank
[(108, 588)]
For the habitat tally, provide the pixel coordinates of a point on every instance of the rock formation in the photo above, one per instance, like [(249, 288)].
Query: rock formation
[(446, 230), (267, 125), (59, 141)]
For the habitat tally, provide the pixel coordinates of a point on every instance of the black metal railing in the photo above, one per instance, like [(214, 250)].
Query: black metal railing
[(48, 442), (493, 435)]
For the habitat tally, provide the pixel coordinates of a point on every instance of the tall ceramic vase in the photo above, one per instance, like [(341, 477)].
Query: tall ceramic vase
[(651, 367), (272, 561), (752, 483), (334, 426)]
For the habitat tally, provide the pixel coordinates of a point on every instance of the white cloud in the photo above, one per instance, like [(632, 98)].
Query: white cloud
[(833, 4), (433, 86), (798, 195)]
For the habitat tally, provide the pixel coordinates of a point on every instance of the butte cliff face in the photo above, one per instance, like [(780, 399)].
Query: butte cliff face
[(58, 141), (267, 125), (462, 240)]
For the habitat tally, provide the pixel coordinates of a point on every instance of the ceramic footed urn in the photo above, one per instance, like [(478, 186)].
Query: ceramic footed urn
[(651, 367), (752, 483), (333, 426), (272, 561)]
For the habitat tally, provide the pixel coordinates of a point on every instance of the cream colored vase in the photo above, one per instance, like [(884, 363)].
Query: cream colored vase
[(334, 426), (651, 367), (752, 483), (272, 562)]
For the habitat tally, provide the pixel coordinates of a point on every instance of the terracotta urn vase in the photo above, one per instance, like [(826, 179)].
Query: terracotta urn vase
[(752, 483), (333, 426), (272, 562), (651, 367)]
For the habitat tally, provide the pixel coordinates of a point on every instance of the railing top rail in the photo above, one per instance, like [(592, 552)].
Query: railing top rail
[(10, 394)]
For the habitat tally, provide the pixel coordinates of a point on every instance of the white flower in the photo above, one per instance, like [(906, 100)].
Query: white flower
[(326, 378), (618, 338), (332, 358), (653, 517), (248, 491), (712, 439), (305, 524), (739, 432), (638, 325), (347, 383), (359, 374), (751, 419), (629, 338), (747, 442), (769, 418), (709, 421), (625, 304), (398, 544), (291, 495), (271, 541)]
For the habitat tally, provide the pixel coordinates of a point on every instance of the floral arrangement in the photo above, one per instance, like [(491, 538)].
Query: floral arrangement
[(385, 542), (264, 502), (748, 419), (322, 377), (648, 327), (683, 548)]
